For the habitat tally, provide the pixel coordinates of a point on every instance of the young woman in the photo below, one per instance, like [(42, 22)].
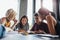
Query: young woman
[(51, 21), (23, 24), (10, 16)]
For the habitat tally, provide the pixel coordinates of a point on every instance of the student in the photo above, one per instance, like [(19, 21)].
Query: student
[(10, 15), (39, 26), (51, 21), (23, 25)]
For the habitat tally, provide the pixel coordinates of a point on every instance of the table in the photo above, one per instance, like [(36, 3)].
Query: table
[(16, 36)]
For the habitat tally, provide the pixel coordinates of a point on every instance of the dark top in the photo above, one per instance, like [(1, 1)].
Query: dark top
[(57, 28), (19, 27), (42, 26)]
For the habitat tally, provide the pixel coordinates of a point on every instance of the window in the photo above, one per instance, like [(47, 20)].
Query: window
[(38, 5), (7, 4), (48, 4), (30, 11)]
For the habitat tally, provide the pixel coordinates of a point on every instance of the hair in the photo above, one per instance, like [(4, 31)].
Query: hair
[(53, 14), (43, 11), (10, 13), (36, 14), (21, 25), (21, 19)]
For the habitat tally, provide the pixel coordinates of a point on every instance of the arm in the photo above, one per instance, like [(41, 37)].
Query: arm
[(15, 23)]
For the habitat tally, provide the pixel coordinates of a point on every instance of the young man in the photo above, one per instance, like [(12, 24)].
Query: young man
[(39, 26)]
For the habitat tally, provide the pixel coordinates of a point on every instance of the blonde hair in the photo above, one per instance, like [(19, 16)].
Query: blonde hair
[(10, 14)]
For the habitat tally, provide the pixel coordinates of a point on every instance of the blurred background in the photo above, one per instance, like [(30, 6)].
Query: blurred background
[(29, 7)]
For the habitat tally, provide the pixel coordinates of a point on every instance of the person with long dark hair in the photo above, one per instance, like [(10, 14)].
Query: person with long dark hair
[(23, 24)]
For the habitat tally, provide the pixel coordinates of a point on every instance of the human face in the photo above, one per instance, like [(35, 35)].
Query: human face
[(11, 17), (24, 21), (37, 19)]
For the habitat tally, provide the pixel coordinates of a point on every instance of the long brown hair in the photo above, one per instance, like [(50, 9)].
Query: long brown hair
[(21, 19)]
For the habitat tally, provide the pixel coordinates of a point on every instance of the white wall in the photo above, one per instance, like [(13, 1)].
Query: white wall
[(7, 4)]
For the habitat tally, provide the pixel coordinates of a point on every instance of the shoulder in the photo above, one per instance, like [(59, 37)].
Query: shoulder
[(35, 24), (44, 24), (27, 25), (18, 24)]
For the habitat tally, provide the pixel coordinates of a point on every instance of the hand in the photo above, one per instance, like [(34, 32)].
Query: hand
[(20, 30), (15, 21), (23, 32), (41, 31)]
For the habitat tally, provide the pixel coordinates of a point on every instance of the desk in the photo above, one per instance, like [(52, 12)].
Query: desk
[(16, 36)]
